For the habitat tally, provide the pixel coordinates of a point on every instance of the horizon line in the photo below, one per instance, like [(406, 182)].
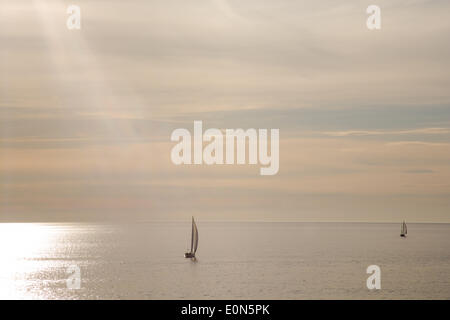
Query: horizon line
[(119, 221)]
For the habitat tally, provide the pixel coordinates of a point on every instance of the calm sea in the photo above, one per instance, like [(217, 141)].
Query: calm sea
[(244, 260)]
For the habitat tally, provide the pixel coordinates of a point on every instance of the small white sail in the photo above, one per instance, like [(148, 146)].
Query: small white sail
[(404, 230), (194, 240)]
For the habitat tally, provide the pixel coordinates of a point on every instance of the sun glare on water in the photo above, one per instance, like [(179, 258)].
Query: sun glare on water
[(20, 243)]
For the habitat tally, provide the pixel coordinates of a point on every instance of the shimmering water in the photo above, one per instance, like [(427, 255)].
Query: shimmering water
[(235, 260)]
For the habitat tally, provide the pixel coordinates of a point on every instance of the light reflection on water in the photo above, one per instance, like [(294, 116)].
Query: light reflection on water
[(20, 244), (235, 260), (35, 256)]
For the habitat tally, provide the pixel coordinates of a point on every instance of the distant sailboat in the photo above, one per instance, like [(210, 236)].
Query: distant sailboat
[(404, 230), (194, 241)]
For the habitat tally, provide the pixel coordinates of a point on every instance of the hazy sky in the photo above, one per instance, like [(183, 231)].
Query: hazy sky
[(86, 116)]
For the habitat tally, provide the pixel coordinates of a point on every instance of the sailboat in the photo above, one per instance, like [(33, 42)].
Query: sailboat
[(194, 241), (404, 230)]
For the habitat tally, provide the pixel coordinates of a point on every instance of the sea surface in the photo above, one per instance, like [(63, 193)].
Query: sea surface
[(237, 260)]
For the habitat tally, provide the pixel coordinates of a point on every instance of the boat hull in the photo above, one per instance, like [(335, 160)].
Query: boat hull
[(189, 255)]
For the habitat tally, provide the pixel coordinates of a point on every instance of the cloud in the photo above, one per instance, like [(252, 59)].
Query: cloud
[(85, 122), (417, 143), (387, 132), (419, 171), (110, 115)]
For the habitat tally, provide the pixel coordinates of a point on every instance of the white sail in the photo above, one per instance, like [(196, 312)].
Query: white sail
[(404, 230), (194, 241)]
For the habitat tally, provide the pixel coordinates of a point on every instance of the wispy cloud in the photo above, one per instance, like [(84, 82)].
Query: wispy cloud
[(419, 171), (110, 115), (85, 122), (386, 132), (417, 143)]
